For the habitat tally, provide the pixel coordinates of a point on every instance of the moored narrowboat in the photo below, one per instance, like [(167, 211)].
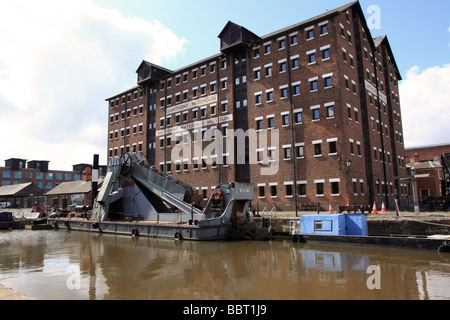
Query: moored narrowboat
[(6, 220), (353, 229)]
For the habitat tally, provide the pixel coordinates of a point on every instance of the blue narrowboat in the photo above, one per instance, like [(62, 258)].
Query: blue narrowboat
[(6, 220), (334, 225), (353, 229)]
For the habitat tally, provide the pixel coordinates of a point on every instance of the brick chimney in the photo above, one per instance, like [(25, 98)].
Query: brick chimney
[(87, 174)]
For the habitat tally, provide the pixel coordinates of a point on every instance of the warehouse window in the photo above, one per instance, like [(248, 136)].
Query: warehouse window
[(334, 187), (287, 152), (285, 117), (300, 150), (261, 190), (259, 125), (332, 147), (330, 109), (296, 88), (328, 82), (272, 154), (260, 155), (319, 188), (317, 148), (289, 189), (195, 163), (273, 190), (298, 116), (257, 73), (270, 122), (225, 159), (326, 54), (283, 66), (316, 113), (294, 39), (268, 71), (258, 98), (302, 189), (256, 53)]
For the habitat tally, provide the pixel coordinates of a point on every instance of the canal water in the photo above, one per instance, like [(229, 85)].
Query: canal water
[(68, 265)]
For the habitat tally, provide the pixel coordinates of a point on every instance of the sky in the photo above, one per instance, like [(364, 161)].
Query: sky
[(60, 60)]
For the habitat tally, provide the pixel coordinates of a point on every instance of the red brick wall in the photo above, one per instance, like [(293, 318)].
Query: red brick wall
[(348, 93)]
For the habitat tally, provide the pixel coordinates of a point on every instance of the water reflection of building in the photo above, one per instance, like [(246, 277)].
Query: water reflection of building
[(153, 269), (123, 268), (334, 261)]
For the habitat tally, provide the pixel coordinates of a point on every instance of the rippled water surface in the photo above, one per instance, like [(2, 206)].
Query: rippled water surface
[(75, 265)]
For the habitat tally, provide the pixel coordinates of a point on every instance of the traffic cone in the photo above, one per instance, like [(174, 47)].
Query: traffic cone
[(374, 211), (383, 209), (330, 211)]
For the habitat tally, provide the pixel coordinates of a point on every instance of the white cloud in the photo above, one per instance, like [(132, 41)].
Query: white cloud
[(425, 101), (59, 61)]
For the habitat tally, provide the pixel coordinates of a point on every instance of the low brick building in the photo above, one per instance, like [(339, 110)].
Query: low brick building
[(433, 179), (319, 101), (20, 171)]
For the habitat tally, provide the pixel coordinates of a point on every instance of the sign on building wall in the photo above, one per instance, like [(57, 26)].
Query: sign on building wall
[(195, 125), (371, 88), (192, 104)]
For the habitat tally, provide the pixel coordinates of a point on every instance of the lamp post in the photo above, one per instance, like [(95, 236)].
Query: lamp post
[(415, 193), (348, 165)]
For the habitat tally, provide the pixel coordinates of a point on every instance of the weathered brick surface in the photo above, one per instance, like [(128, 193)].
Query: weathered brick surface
[(357, 128)]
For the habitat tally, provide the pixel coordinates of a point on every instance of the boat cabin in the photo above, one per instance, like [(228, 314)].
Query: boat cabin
[(334, 224)]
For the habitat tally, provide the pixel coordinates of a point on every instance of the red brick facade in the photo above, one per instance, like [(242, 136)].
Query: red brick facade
[(315, 84), (429, 168), (426, 153)]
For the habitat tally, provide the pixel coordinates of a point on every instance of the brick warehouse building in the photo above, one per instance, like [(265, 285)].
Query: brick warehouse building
[(325, 86)]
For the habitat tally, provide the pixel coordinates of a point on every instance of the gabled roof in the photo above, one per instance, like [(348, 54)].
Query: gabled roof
[(148, 71), (145, 63), (314, 19), (234, 35), (73, 187), (21, 190), (384, 40), (353, 5)]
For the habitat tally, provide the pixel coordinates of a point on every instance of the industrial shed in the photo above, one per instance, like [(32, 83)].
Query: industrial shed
[(24, 195), (78, 193)]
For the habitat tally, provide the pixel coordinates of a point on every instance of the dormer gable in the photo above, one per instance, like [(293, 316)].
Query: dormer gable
[(234, 35), (151, 72)]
